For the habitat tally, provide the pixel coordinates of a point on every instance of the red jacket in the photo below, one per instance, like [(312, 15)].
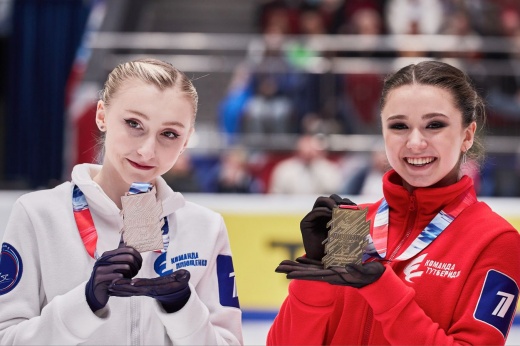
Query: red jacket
[(461, 289)]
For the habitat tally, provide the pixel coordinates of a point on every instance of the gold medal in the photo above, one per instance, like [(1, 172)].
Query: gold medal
[(348, 232), (142, 221)]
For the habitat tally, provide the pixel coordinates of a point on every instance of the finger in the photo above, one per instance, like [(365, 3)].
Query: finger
[(123, 281), (125, 290), (182, 275), (373, 268), (287, 268), (169, 280), (366, 269), (318, 213), (125, 269), (326, 202), (356, 271), (306, 260), (129, 256), (313, 273), (107, 278), (341, 201), (118, 293), (325, 276), (284, 269), (124, 251), (121, 242), (296, 264)]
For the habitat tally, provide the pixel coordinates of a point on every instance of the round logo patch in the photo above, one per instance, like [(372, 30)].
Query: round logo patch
[(11, 268)]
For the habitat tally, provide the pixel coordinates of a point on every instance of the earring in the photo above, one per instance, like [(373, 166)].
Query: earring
[(101, 127), (464, 157)]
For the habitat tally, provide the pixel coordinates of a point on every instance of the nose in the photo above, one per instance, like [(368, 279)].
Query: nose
[(147, 148), (416, 140)]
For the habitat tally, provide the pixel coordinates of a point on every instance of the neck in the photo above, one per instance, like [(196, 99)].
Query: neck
[(112, 185)]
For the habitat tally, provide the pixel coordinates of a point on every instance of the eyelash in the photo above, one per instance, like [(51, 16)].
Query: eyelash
[(174, 135), (436, 125), (132, 123), (432, 125), (136, 126)]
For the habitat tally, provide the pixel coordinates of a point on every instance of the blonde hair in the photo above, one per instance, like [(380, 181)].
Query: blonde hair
[(159, 73)]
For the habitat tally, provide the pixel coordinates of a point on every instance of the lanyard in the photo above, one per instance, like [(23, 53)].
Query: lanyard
[(378, 242), (85, 223)]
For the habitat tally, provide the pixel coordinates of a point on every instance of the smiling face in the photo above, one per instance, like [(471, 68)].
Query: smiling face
[(146, 130), (424, 135)]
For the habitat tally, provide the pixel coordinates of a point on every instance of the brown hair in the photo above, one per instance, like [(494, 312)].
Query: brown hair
[(453, 80)]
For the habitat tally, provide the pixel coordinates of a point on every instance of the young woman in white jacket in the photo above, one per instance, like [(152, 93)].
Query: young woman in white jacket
[(73, 271)]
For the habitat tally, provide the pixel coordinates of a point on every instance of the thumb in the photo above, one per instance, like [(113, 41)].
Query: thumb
[(121, 242), (181, 275)]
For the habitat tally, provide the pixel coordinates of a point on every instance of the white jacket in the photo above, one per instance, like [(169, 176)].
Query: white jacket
[(42, 287)]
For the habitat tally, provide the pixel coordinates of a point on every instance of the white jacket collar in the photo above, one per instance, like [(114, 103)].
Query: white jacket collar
[(97, 199)]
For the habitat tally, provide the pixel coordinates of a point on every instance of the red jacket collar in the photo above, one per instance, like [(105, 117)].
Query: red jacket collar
[(428, 201)]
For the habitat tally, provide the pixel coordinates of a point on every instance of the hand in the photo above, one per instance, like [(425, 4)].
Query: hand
[(314, 225), (123, 262), (353, 275), (171, 291)]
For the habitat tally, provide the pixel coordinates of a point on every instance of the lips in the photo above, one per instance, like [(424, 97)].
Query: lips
[(139, 166), (419, 161)]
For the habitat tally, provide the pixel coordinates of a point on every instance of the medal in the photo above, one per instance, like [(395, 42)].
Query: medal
[(87, 229), (142, 220), (348, 234)]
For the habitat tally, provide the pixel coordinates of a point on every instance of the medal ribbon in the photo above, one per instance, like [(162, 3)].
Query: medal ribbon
[(85, 223), (378, 242)]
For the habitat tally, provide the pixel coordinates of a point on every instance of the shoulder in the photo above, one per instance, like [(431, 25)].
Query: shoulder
[(199, 213), (481, 215), (48, 198)]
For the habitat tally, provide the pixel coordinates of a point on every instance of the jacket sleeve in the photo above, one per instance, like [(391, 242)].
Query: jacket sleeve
[(398, 310), (304, 315), (66, 319), (212, 315)]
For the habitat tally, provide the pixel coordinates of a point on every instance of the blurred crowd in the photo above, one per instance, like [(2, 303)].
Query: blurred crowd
[(280, 89)]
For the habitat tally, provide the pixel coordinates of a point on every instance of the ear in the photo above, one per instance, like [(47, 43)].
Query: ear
[(469, 136), (100, 116)]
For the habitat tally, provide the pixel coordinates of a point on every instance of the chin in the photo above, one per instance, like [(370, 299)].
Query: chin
[(416, 183)]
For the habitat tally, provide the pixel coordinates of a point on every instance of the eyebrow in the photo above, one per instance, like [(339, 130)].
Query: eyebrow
[(425, 116), (146, 117)]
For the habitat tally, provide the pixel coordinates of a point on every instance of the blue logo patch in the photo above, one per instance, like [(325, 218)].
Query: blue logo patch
[(497, 302), (160, 265), (11, 268), (227, 287)]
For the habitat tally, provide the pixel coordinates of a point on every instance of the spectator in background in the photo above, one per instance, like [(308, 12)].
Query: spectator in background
[(269, 110), (232, 174), (262, 87), (320, 103), (182, 177), (362, 173), (363, 88), (412, 17), (504, 86), (309, 171)]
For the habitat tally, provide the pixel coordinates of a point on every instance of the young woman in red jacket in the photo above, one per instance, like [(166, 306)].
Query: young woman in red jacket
[(441, 267)]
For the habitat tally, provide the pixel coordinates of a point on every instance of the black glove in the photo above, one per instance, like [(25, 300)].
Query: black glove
[(314, 225), (353, 275), (123, 262), (171, 291)]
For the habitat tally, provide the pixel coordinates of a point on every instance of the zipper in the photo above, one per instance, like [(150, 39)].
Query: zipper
[(412, 213), (367, 329), (135, 334)]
